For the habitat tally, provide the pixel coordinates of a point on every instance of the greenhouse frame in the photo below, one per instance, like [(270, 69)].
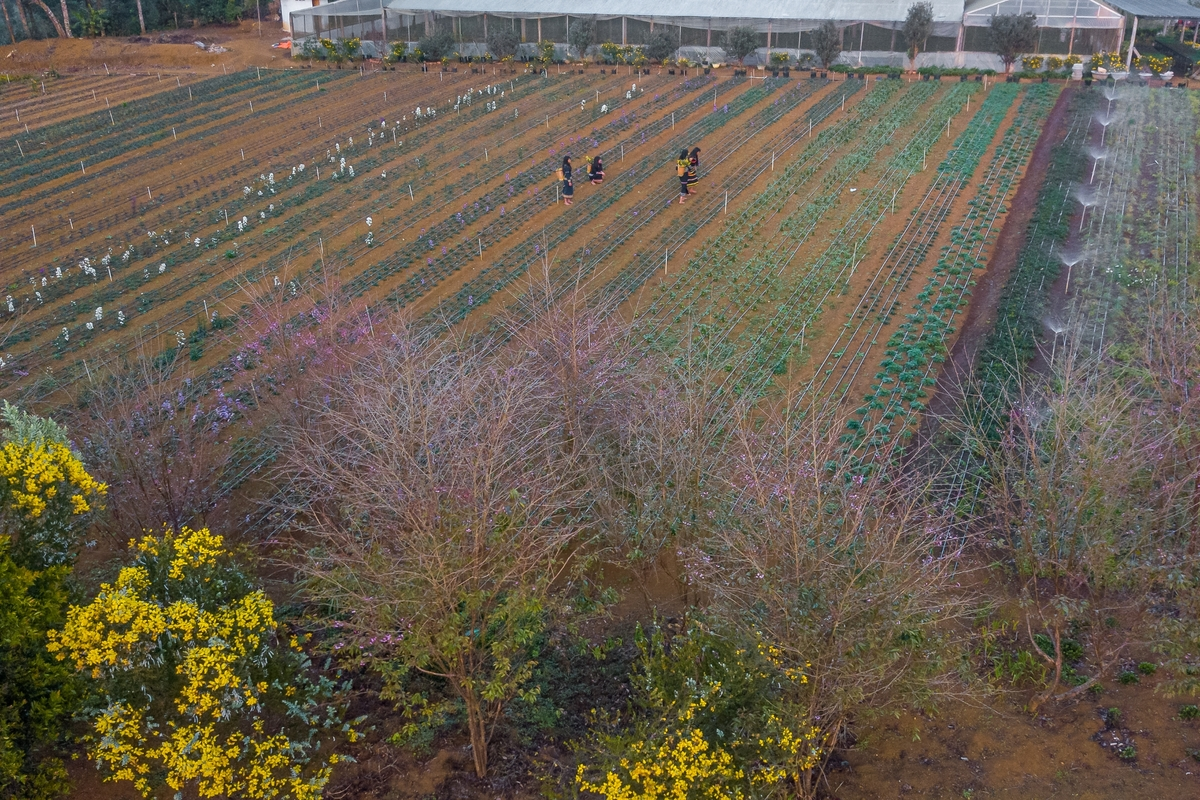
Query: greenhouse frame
[(871, 29)]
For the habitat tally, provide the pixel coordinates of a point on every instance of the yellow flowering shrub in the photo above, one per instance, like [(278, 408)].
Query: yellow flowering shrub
[(45, 491), (204, 689), (721, 716), (682, 767)]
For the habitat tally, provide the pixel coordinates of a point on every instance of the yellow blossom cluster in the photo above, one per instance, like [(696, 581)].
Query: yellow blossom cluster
[(36, 474), (786, 752), (681, 768), (128, 626), (774, 655), (191, 549)]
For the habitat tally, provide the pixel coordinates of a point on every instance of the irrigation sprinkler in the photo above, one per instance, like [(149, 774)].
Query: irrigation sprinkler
[(1057, 329), (1105, 119), (1069, 261), (1098, 154), (1087, 198)]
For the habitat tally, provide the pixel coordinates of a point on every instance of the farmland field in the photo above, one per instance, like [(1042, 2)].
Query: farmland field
[(825, 207), (877, 283)]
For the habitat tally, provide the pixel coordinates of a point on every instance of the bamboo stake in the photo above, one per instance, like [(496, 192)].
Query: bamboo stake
[(34, 235)]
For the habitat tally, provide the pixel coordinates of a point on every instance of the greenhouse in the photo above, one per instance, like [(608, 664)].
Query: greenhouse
[(872, 31)]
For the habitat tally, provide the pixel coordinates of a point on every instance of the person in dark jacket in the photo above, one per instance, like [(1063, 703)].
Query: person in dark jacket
[(693, 176), (568, 184), (596, 171)]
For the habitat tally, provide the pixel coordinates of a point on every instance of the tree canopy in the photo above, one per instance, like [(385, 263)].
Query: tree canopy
[(918, 27), (582, 35), (1012, 35), (740, 42), (827, 42)]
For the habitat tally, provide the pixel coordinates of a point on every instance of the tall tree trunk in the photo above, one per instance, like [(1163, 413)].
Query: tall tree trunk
[(57, 25), (24, 19), (12, 37), (141, 19), (67, 19)]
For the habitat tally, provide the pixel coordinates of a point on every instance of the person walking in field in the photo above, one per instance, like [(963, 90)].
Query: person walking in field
[(693, 176), (681, 171), (568, 184)]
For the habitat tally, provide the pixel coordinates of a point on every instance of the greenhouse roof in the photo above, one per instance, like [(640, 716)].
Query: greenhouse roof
[(1157, 9), (816, 10), (1049, 13)]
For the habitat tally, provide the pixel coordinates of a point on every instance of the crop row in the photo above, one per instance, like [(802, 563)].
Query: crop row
[(516, 262), (881, 297), (233, 201), (919, 343), (701, 210), (720, 267), (136, 169), (769, 345), (311, 192)]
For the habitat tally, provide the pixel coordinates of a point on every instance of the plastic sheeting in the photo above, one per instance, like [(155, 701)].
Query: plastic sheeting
[(778, 16), (1050, 13)]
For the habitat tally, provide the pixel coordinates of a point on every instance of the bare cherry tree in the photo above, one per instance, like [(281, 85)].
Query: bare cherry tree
[(440, 508), (849, 580)]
